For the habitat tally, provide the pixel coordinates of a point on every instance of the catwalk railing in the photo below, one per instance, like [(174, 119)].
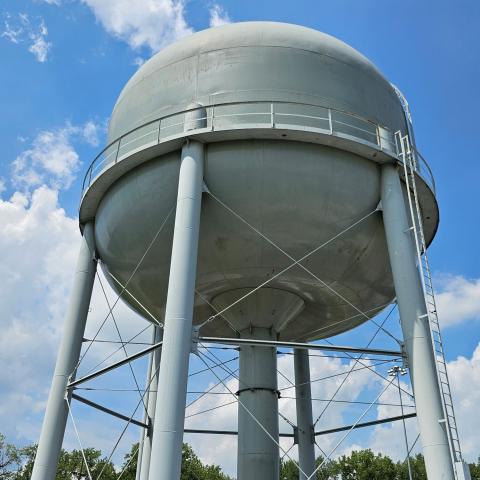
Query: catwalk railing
[(252, 115)]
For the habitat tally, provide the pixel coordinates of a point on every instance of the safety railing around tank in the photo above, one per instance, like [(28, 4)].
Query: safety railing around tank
[(251, 115)]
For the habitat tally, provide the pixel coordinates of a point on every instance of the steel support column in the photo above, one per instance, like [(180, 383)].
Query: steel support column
[(258, 455), (416, 329), (303, 395), (167, 441), (152, 385), (54, 422), (144, 433)]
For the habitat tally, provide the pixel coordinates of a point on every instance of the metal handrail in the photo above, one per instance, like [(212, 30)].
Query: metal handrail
[(270, 113)]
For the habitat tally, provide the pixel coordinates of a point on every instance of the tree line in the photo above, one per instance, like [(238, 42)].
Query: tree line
[(17, 464)]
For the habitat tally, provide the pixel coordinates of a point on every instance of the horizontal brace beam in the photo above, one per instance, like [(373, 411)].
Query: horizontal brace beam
[(224, 432), (125, 360), (366, 424), (107, 410), (307, 346), (232, 432), (322, 432)]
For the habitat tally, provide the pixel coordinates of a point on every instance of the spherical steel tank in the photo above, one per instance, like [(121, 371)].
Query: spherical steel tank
[(295, 126)]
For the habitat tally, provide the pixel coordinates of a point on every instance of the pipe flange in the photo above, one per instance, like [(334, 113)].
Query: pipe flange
[(252, 389)]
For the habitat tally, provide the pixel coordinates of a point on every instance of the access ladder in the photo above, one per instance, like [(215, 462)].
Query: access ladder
[(409, 159)]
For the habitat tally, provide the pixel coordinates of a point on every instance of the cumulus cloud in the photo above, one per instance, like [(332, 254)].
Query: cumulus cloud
[(149, 23), (464, 375), (458, 299), (22, 30), (36, 238), (38, 249), (52, 158), (218, 16), (389, 439)]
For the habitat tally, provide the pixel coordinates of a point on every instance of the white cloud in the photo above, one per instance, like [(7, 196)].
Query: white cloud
[(52, 2), (458, 299), (218, 16), (91, 132), (150, 23), (138, 61), (52, 158), (22, 30), (11, 33), (36, 239), (40, 47), (389, 439), (38, 250), (464, 376)]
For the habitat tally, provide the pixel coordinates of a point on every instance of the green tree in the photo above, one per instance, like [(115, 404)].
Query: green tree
[(417, 464), (193, 468), (10, 459), (71, 465), (475, 470), (129, 467), (289, 470), (365, 465)]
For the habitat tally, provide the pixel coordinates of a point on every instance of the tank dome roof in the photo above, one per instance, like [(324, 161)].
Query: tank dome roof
[(254, 61)]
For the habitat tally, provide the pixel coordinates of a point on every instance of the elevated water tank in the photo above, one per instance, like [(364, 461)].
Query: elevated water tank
[(296, 125)]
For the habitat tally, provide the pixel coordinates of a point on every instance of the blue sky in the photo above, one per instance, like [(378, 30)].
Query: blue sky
[(64, 63)]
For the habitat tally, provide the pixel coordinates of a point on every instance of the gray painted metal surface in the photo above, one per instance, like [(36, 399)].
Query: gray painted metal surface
[(168, 426), (301, 346), (416, 329), (317, 190), (144, 455), (256, 61), (312, 190), (303, 401), (53, 428), (258, 455), (143, 433)]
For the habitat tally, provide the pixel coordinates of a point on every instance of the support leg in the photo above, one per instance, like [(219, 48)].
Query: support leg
[(144, 458), (258, 456), (303, 394), (416, 329), (165, 463), (54, 422)]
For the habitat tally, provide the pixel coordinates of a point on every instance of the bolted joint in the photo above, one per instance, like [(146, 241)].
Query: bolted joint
[(295, 435), (405, 365), (149, 427), (195, 339)]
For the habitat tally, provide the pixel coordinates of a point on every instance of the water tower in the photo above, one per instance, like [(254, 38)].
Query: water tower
[(253, 135)]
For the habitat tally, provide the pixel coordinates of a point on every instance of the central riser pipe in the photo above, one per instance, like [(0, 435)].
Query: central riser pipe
[(258, 454), (303, 400)]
